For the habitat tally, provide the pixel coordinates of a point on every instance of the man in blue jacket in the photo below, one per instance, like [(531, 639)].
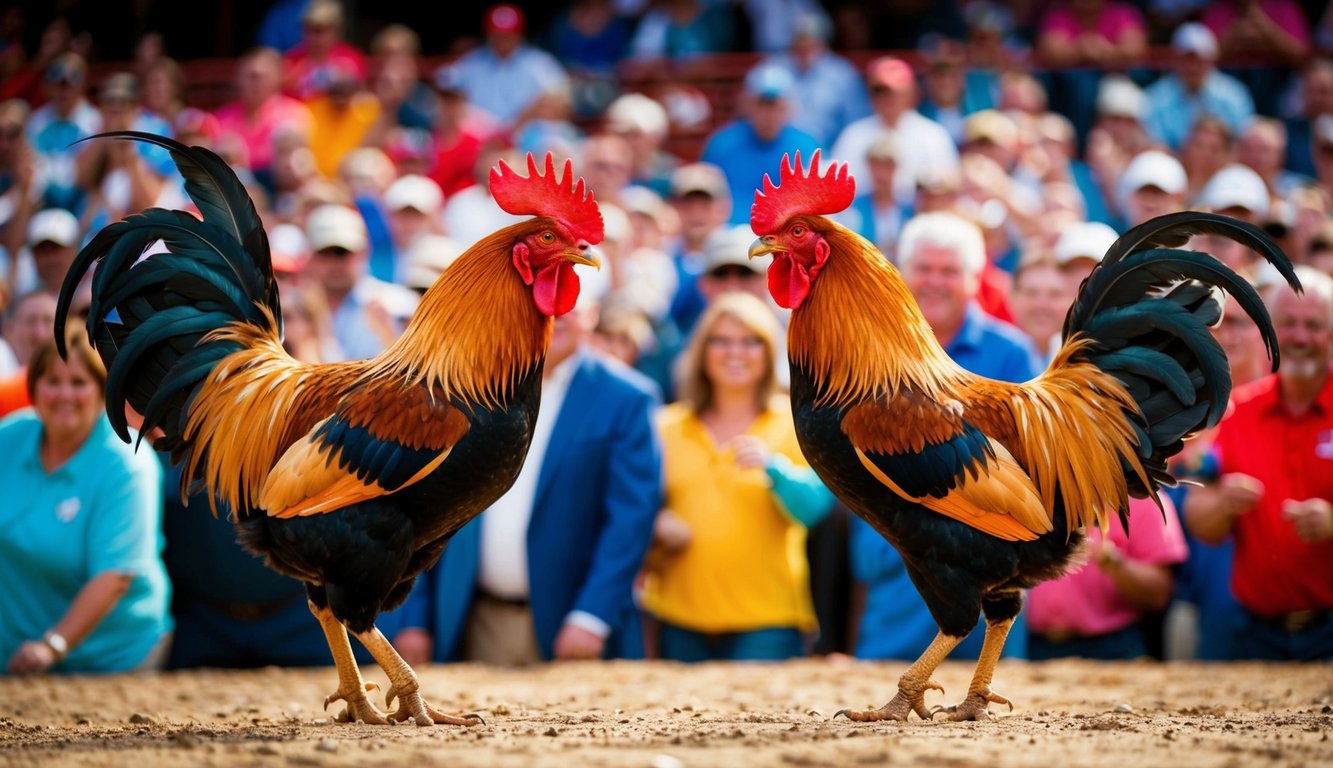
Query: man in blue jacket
[(546, 572)]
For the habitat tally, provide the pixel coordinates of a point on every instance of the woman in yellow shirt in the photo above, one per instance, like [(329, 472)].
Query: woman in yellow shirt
[(729, 577)]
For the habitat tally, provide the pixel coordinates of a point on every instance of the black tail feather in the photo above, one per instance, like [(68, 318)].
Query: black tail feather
[(1148, 309), (165, 279)]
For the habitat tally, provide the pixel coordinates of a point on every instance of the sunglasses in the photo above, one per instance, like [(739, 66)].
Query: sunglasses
[(731, 270), (335, 251)]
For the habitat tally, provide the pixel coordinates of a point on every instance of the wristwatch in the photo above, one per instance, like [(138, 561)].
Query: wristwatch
[(57, 643)]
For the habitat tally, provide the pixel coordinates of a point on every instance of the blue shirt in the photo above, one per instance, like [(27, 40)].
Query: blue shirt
[(744, 159), (101, 511), (1172, 108), (895, 623), (506, 87), (828, 94)]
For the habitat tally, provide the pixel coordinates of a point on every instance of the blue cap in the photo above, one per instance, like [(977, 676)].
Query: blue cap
[(768, 81)]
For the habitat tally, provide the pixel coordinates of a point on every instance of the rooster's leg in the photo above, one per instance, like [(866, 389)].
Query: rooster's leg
[(979, 694), (912, 686), (404, 687), (351, 688)]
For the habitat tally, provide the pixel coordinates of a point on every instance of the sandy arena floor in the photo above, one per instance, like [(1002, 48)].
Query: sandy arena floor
[(660, 715)]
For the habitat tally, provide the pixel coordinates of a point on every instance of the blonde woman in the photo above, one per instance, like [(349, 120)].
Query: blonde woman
[(728, 578)]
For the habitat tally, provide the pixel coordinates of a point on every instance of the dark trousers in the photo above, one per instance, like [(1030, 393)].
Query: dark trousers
[(1124, 643), (1269, 640)]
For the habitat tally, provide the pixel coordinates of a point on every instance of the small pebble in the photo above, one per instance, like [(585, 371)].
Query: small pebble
[(327, 745), (1123, 709), (140, 719)]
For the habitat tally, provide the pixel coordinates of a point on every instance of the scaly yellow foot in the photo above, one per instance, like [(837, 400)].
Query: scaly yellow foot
[(412, 706), (404, 686), (898, 708), (359, 709), (974, 707)]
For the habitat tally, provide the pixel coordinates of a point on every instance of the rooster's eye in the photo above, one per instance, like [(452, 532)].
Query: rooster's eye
[(797, 231), (548, 237)]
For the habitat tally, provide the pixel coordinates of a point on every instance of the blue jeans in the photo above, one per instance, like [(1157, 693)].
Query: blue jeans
[(1124, 643), (1259, 639), (770, 644)]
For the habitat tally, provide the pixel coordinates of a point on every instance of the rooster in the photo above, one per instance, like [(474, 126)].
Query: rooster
[(350, 477), (985, 487)]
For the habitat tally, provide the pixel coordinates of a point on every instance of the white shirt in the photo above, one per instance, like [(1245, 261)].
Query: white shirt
[(503, 567), (925, 143)]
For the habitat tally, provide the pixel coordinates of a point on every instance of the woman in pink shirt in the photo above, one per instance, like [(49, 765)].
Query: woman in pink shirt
[(1094, 611), (261, 108), (1092, 33)]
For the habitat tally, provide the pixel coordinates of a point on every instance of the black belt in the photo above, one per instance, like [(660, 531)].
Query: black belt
[(516, 602), (247, 611), (1296, 621)]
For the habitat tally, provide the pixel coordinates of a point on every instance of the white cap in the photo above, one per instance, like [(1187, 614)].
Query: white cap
[(637, 112), (730, 246), (414, 191), (615, 222), (287, 247), (336, 226), (428, 256), (1154, 168), (1193, 37), (1118, 95), (1236, 186), (1085, 240), (54, 225)]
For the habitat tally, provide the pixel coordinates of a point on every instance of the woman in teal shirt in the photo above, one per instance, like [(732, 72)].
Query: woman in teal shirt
[(82, 584)]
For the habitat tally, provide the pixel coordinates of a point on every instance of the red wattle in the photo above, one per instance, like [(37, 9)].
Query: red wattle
[(556, 289), (788, 281)]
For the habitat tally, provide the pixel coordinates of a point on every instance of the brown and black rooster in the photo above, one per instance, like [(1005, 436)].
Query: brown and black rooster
[(350, 477), (985, 487)]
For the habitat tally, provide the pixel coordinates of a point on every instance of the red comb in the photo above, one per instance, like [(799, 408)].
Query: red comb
[(542, 194), (800, 191)]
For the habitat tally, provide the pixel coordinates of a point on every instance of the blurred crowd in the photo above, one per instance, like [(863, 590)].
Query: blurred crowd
[(997, 153)]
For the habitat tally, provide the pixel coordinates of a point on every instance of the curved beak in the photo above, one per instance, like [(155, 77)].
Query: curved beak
[(586, 255), (764, 245)]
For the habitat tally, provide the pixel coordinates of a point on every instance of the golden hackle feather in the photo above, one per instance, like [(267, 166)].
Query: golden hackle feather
[(474, 336), (862, 336)]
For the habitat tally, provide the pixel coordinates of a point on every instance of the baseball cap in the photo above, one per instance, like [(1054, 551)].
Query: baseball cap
[(637, 112), (812, 24), (287, 248), (336, 226), (1085, 240), (414, 191), (121, 86), (884, 146), (1119, 96), (428, 256), (768, 81), (1154, 168), (890, 72), (1195, 38), (704, 178), (730, 247), (322, 13), (1235, 186), (67, 67), (53, 225), (504, 19), (990, 125)]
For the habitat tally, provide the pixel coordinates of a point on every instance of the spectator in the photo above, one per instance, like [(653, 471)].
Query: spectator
[(124, 177), (280, 26), (343, 113), (702, 200), (546, 571), (945, 96), (747, 148), (642, 121), (80, 540), (1263, 147), (623, 331), (1315, 99), (54, 127), (162, 94), (368, 314), (642, 277), (826, 87), (1080, 248), (261, 109), (18, 184), (941, 256), (875, 213), (1209, 147), (682, 30), (728, 577), (405, 101), (413, 204), (548, 125), (506, 75), (323, 57), (1274, 488), (1153, 184), (460, 131), (53, 241), (728, 267), (1118, 134), (428, 257), (590, 38), (1194, 87), (1082, 39), (1276, 30), (28, 323), (1039, 301), (1056, 151), (893, 97)]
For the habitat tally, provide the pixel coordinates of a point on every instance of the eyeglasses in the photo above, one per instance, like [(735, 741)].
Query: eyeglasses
[(744, 343), (334, 251), (731, 271)]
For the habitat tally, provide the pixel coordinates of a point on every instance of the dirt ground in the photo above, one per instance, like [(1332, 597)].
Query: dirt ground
[(661, 715)]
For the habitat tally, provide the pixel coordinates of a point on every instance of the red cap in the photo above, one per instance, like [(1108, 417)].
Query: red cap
[(889, 71), (504, 19)]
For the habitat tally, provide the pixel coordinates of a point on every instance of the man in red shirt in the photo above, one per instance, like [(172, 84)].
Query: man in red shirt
[(1275, 449)]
